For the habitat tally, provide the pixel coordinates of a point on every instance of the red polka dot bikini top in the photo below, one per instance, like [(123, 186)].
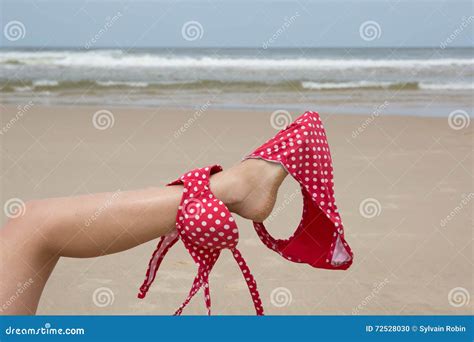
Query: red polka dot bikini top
[(206, 227)]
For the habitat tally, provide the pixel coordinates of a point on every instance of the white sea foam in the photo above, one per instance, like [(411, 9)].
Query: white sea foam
[(118, 59), (447, 86), (125, 84), (23, 89), (385, 84), (346, 85), (45, 83)]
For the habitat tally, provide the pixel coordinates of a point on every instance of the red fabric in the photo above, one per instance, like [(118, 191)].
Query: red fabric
[(205, 225), (302, 149)]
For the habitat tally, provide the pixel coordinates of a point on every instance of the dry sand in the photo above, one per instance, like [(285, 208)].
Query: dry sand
[(406, 260)]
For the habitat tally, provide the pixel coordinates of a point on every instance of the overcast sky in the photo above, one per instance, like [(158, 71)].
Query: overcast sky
[(240, 23)]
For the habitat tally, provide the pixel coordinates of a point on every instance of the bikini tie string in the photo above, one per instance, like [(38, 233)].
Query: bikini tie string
[(206, 227)]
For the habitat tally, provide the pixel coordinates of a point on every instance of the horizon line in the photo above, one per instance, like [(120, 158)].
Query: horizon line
[(235, 47)]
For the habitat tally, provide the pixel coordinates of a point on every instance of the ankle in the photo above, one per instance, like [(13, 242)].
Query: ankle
[(249, 188), (230, 186)]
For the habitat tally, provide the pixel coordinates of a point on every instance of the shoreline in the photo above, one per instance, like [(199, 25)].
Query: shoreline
[(361, 111)]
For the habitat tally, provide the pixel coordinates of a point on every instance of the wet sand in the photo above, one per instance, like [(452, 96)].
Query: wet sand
[(417, 173)]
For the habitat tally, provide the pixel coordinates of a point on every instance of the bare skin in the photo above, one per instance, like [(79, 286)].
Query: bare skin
[(105, 223)]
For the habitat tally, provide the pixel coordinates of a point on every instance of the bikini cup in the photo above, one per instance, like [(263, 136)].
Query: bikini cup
[(302, 149), (206, 227)]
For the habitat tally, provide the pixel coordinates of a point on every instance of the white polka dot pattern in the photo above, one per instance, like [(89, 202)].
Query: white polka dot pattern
[(205, 226), (302, 149)]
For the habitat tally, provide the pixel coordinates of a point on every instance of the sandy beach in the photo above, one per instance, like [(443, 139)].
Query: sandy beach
[(412, 251)]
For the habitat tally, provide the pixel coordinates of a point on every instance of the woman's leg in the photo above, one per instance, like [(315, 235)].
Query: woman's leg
[(82, 226), (105, 223)]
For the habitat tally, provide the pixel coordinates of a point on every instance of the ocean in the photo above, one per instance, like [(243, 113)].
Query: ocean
[(414, 81)]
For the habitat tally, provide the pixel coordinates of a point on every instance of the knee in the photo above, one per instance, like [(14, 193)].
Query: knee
[(28, 226), (26, 216)]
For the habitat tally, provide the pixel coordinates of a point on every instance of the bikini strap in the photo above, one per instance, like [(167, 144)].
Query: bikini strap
[(164, 245), (250, 280), (201, 280)]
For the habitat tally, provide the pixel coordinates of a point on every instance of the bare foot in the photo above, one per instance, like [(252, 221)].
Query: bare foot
[(249, 188)]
